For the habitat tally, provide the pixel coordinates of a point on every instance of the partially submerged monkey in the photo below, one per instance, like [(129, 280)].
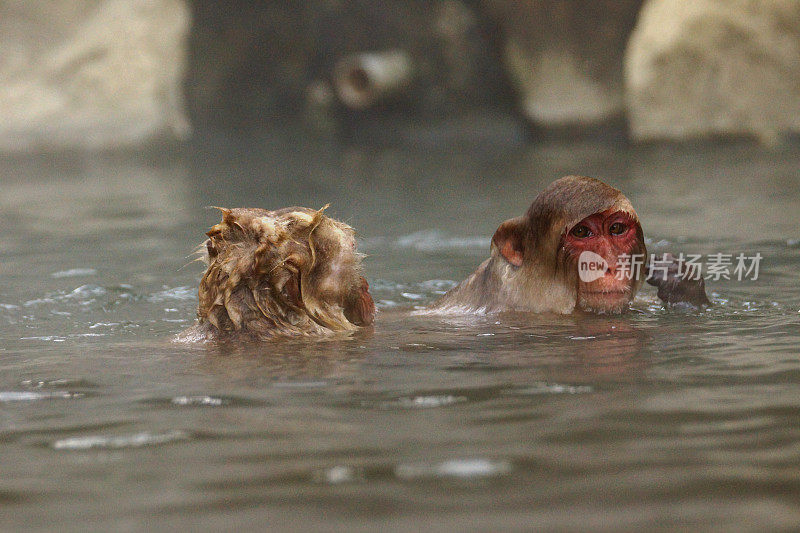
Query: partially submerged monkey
[(295, 271), (290, 272), (534, 258)]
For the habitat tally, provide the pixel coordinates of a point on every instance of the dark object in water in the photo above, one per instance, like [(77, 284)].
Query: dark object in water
[(679, 284), (290, 272)]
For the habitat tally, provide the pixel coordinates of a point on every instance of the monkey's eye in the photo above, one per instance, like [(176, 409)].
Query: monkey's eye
[(617, 228), (580, 232)]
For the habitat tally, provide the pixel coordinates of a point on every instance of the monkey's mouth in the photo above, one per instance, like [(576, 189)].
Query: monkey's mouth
[(604, 301), (606, 296), (611, 292)]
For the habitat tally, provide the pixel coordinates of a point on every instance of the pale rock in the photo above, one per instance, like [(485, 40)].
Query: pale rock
[(708, 68), (91, 74)]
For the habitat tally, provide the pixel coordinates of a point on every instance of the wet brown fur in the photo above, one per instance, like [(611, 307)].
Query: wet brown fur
[(290, 272), (547, 279)]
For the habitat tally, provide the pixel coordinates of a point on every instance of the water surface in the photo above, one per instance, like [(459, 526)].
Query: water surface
[(656, 418)]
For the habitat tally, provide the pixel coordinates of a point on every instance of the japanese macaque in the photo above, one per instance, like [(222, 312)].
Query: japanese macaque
[(290, 272), (534, 264)]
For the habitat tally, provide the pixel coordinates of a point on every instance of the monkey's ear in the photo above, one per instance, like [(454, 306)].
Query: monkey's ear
[(359, 308), (509, 240)]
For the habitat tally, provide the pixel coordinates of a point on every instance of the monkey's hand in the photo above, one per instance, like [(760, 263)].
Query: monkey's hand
[(677, 283)]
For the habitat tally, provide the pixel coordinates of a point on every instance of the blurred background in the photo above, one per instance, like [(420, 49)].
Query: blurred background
[(105, 74)]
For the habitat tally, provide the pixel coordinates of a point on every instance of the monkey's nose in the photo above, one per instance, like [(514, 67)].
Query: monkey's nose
[(611, 265)]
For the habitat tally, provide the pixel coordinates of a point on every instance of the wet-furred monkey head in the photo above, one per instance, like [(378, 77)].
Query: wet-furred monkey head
[(288, 272)]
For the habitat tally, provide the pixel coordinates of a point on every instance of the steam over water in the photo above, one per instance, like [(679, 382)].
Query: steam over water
[(666, 418)]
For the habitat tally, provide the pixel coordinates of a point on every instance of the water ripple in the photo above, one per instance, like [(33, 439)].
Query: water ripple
[(424, 402), (175, 293), (31, 396), (432, 240), (454, 468), (84, 295), (74, 272), (389, 294), (336, 475), (203, 400), (200, 401), (58, 383), (552, 388), (136, 440), (48, 338)]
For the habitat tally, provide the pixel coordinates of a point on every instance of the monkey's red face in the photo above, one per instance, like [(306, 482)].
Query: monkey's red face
[(609, 234)]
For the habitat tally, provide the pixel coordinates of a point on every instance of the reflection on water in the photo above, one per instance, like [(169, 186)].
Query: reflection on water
[(655, 418)]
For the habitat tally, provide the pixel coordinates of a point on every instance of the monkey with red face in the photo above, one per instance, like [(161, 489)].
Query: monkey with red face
[(534, 258)]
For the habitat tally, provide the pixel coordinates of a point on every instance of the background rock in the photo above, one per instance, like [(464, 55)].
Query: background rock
[(714, 67), (257, 63), (105, 74), (91, 74), (565, 58)]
